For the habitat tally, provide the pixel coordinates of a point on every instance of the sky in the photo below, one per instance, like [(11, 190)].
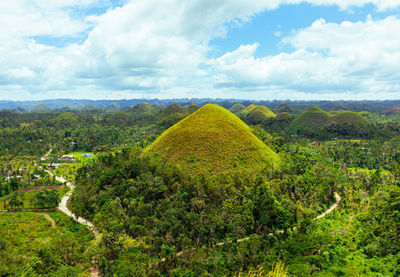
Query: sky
[(253, 49)]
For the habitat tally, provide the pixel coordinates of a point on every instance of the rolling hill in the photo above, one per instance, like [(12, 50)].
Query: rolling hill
[(213, 140), (257, 113), (315, 121)]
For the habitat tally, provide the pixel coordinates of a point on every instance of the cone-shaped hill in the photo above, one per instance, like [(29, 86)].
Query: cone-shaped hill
[(192, 108), (213, 140), (257, 113), (237, 108), (345, 123), (142, 108), (285, 108), (311, 117), (173, 109)]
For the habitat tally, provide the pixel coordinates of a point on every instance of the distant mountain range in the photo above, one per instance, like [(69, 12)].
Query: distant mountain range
[(65, 104)]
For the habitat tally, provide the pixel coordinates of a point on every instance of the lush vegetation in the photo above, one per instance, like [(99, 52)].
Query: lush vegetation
[(29, 246), (202, 198)]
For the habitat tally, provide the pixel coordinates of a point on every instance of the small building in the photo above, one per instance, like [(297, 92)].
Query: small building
[(43, 158), (68, 158), (87, 155), (53, 165)]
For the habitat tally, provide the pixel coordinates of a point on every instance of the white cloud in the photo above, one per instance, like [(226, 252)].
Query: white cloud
[(354, 58), (160, 48)]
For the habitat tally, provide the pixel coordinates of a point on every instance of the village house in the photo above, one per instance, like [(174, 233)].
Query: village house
[(68, 158)]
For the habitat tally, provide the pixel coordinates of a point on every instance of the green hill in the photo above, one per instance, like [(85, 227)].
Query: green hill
[(237, 108), (192, 108), (347, 117), (316, 122), (284, 107), (142, 108), (213, 140), (283, 115), (313, 116), (257, 113), (173, 109)]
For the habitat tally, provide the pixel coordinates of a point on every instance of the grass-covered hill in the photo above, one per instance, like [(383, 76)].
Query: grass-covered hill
[(142, 108), (213, 140), (393, 110), (347, 117), (172, 114), (283, 115), (285, 107), (315, 121), (173, 109), (192, 108), (313, 116), (237, 108), (257, 113)]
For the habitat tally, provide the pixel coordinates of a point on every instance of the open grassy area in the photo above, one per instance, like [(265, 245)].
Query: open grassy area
[(79, 155), (29, 246), (27, 199)]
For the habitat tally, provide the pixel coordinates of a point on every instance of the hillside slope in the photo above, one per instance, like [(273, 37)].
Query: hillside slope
[(213, 140)]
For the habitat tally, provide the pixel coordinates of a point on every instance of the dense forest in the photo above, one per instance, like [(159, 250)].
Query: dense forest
[(246, 189)]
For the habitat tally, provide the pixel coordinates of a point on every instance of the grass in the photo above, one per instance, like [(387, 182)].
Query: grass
[(79, 155), (27, 197), (213, 140), (315, 116), (28, 237), (237, 108), (257, 111), (173, 109), (143, 108)]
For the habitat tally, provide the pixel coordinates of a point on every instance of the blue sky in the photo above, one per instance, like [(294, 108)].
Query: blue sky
[(255, 49)]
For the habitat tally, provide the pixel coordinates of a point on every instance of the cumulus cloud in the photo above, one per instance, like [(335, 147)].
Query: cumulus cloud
[(161, 48), (349, 57)]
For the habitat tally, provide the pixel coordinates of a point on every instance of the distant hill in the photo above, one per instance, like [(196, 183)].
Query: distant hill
[(41, 108), (283, 115), (172, 114), (237, 108), (172, 109), (313, 116), (257, 113), (192, 108), (213, 140), (347, 117), (142, 108), (357, 106), (285, 108), (315, 121), (393, 110)]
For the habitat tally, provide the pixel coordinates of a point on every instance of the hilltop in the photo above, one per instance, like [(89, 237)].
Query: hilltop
[(212, 139), (284, 107), (315, 122), (257, 113), (313, 116), (237, 108), (173, 109)]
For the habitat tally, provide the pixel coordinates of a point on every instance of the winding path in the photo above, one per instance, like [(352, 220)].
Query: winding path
[(94, 271), (334, 206), (49, 218), (63, 206)]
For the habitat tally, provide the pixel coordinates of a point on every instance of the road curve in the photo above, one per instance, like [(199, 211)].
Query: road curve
[(63, 206), (334, 206)]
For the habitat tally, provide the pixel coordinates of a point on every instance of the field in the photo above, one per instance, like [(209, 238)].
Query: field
[(29, 245)]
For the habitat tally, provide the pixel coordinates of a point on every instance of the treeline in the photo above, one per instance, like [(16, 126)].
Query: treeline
[(162, 211)]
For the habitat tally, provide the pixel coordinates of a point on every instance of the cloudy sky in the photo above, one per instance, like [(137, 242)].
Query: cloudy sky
[(253, 49)]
